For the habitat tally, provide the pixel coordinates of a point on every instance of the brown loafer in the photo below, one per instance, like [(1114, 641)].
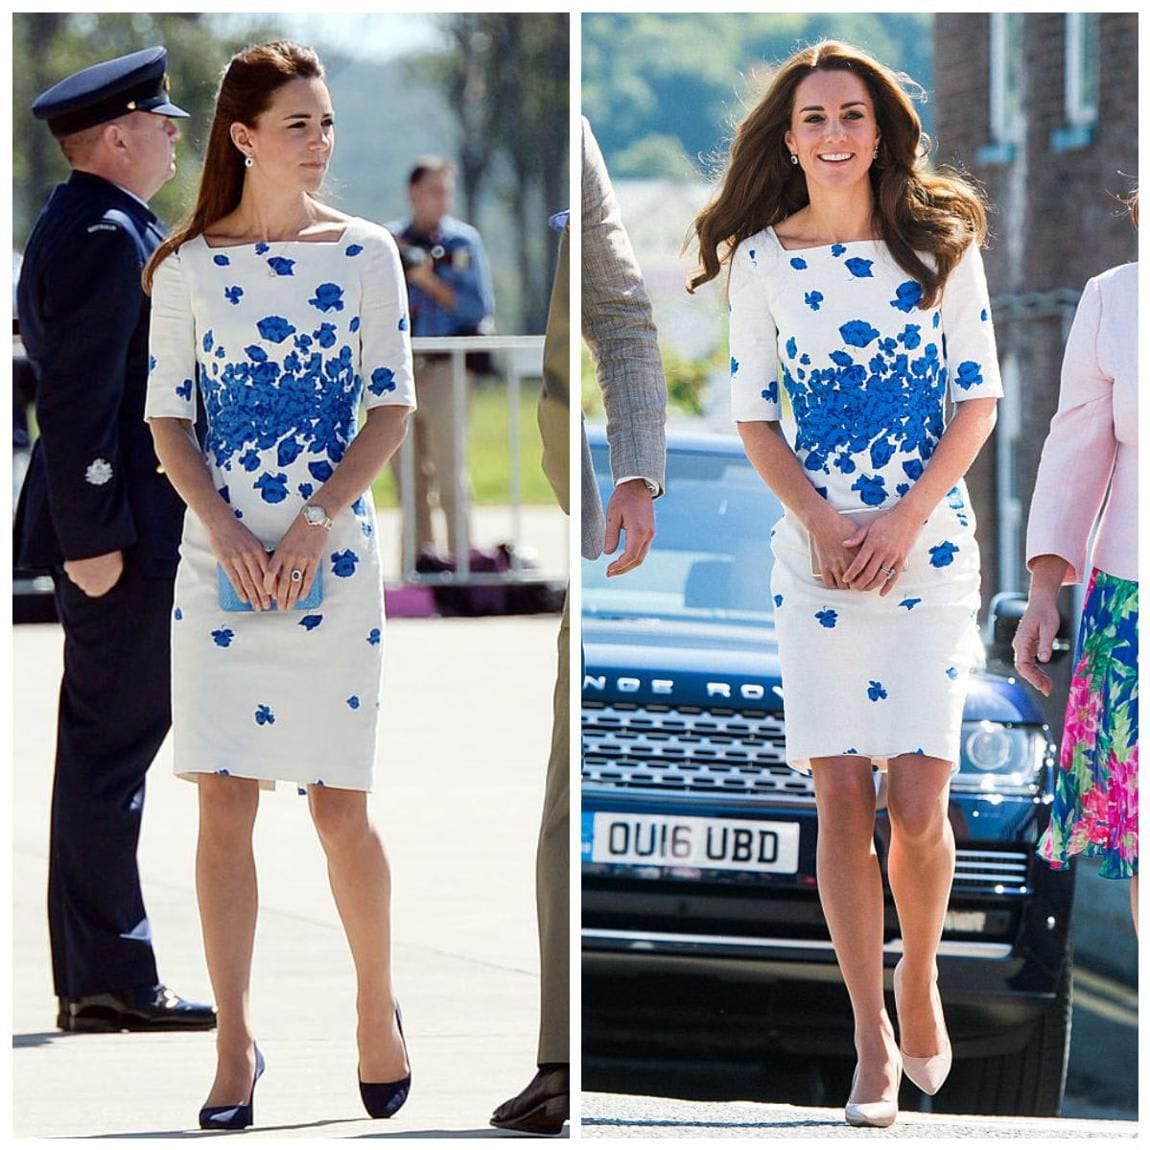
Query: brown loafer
[(542, 1107)]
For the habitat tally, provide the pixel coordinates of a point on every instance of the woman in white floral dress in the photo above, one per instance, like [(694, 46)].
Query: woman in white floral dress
[(857, 301), (275, 317)]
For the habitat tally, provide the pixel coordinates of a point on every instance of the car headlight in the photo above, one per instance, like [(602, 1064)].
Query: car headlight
[(1001, 759)]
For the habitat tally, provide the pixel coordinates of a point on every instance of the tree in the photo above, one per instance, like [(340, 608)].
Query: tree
[(506, 78)]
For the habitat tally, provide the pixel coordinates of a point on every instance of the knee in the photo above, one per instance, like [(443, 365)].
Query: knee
[(227, 805), (918, 824), (846, 802), (340, 817)]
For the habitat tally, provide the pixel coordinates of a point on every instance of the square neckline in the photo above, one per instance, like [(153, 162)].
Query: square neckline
[(815, 247), (270, 243)]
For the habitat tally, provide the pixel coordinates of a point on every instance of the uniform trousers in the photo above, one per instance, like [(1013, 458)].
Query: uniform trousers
[(436, 462), (115, 710)]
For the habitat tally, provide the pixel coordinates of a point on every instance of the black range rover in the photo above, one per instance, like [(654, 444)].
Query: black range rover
[(704, 945)]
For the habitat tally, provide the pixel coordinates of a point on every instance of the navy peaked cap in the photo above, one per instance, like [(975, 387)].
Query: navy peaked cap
[(137, 82)]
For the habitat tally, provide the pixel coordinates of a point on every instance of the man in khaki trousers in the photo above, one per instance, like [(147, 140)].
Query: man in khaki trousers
[(618, 328)]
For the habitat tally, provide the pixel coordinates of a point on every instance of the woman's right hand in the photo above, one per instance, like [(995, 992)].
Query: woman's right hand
[(243, 558), (1034, 640), (828, 532)]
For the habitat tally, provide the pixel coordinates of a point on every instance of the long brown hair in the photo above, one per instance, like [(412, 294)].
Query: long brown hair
[(916, 212), (249, 82)]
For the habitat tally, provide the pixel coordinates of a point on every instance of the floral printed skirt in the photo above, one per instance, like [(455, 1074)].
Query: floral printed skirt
[(1095, 809)]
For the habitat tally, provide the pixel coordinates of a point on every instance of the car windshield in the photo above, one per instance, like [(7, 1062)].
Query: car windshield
[(711, 558)]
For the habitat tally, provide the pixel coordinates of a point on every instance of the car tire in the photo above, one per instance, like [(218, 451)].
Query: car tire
[(1029, 1081)]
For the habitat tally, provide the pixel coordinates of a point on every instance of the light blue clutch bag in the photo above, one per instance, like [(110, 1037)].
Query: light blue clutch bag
[(230, 598)]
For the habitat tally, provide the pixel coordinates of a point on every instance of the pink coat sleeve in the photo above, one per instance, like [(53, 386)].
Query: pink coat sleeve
[(1078, 456)]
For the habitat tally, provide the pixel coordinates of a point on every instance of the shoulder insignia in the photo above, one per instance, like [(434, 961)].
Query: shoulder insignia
[(102, 227)]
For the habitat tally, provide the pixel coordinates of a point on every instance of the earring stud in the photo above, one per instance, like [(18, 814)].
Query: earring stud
[(248, 161), (794, 158)]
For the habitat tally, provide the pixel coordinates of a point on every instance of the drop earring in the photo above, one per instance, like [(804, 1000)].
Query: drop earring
[(794, 158), (875, 156), (248, 161)]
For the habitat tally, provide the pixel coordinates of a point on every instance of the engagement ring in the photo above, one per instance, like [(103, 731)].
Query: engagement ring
[(887, 571)]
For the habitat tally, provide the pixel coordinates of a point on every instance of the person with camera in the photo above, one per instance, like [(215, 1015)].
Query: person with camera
[(449, 293)]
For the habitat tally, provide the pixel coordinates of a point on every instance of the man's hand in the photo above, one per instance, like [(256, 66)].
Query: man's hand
[(629, 510), (98, 575)]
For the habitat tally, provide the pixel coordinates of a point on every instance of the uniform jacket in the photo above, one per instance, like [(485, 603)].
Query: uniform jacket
[(619, 330), (94, 484)]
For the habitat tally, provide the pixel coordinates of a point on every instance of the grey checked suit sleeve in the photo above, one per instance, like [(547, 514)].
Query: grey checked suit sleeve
[(620, 333)]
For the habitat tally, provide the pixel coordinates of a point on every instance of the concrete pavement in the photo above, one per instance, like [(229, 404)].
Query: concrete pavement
[(633, 1116), (467, 726)]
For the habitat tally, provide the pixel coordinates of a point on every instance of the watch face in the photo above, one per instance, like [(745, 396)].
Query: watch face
[(314, 514)]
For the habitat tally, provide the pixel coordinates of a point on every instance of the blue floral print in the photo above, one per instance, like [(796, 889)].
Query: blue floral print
[(859, 268), (353, 702), (234, 294), (943, 554), (812, 299), (274, 328), (265, 715), (909, 604), (827, 617), (223, 637), (382, 380), (353, 249), (374, 637), (907, 296), (858, 333), (875, 691), (734, 365), (797, 262), (184, 391), (281, 266), (311, 622), (221, 261), (969, 374), (272, 488), (343, 563), (838, 249), (328, 297)]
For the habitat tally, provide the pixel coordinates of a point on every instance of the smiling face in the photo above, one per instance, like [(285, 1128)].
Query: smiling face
[(292, 141), (833, 129)]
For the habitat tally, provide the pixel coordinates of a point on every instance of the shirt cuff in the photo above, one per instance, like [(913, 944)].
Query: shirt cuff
[(652, 486)]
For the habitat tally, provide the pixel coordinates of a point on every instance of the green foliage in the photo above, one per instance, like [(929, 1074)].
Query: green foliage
[(687, 381), (488, 452), (682, 82)]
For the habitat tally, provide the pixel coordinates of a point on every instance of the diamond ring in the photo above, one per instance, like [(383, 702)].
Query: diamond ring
[(887, 571)]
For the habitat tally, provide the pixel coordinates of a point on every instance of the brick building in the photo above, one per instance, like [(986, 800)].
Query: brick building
[(1042, 109)]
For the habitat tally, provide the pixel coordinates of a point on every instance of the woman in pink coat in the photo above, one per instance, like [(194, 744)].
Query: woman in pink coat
[(1092, 448)]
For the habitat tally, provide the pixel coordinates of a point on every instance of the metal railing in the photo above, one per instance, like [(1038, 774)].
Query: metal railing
[(457, 346)]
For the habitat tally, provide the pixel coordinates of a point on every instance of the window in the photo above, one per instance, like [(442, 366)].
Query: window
[(1081, 82), (1006, 122)]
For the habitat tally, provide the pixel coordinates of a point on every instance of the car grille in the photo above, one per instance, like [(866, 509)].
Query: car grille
[(992, 871), (696, 750)]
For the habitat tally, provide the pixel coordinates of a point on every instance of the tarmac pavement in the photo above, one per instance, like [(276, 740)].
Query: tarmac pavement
[(466, 721)]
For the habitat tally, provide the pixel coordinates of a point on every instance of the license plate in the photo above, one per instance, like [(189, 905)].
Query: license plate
[(690, 841)]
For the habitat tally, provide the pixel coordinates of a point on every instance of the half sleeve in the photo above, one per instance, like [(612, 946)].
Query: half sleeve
[(1078, 455), (753, 339), (384, 332), (967, 331), (171, 345)]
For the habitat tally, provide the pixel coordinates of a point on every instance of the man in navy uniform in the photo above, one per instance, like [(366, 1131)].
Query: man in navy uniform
[(98, 513), (449, 293)]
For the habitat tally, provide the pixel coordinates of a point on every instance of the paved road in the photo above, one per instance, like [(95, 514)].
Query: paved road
[(467, 718), (634, 1116)]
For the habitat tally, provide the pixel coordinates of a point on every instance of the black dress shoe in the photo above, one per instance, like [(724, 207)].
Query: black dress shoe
[(146, 1008), (541, 1107)]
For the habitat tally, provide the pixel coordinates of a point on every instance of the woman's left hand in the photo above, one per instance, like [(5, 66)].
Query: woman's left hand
[(301, 549), (883, 547)]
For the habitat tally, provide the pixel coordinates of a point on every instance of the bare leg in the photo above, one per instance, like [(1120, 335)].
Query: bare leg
[(361, 883), (850, 889), (228, 898), (920, 869)]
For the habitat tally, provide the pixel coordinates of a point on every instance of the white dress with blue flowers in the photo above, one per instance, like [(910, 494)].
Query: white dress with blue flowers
[(831, 342), (280, 343)]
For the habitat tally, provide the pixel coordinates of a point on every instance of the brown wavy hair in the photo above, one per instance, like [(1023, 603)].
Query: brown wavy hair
[(916, 212), (250, 80)]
